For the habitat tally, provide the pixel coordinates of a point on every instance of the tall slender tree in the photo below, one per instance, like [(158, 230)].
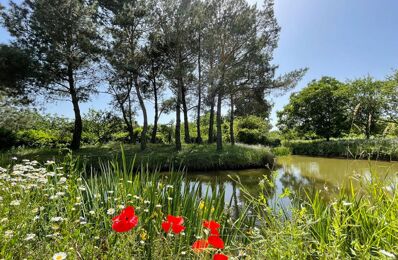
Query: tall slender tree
[(63, 40)]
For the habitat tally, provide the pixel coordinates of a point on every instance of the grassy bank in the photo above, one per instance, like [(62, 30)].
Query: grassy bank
[(160, 157), (376, 149), (49, 209)]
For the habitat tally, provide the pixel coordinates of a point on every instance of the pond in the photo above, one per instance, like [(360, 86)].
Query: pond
[(294, 173)]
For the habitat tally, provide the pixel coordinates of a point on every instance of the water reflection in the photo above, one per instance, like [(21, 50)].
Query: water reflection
[(295, 173)]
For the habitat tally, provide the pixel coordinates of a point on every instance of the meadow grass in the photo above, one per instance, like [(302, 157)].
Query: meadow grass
[(64, 207), (159, 156)]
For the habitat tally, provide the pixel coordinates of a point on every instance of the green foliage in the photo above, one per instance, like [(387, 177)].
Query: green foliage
[(281, 151), (252, 130), (42, 138), (77, 207), (161, 156), (320, 108), (7, 139), (380, 149)]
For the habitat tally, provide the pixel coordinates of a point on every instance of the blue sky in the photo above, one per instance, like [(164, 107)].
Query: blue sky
[(345, 39)]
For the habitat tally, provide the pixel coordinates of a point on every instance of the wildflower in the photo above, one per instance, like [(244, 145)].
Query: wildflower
[(125, 221), (30, 237), (175, 223), (59, 256), (158, 206), (220, 257), (15, 203), (82, 188), (49, 163), (183, 252), (216, 241), (170, 198), (110, 211), (201, 204), (213, 226), (56, 219), (146, 210), (142, 242), (92, 212), (144, 235), (147, 202), (345, 203), (62, 180), (14, 158), (200, 245), (9, 233), (388, 254)]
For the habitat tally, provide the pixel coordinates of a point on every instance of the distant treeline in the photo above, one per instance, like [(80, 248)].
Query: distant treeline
[(328, 108)]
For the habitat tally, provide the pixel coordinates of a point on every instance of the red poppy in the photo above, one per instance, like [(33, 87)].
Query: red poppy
[(175, 223), (200, 245), (125, 221), (212, 225), (216, 241), (220, 257)]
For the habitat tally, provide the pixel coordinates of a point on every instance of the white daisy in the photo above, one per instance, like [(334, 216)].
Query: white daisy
[(59, 256)]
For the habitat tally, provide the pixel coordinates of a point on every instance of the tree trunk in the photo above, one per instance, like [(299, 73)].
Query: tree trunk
[(128, 123), (187, 138), (78, 129), (211, 121), (198, 134), (231, 122), (155, 122), (368, 126), (219, 129), (143, 108), (178, 117)]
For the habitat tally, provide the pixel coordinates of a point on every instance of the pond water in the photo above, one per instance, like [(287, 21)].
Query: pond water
[(294, 173)]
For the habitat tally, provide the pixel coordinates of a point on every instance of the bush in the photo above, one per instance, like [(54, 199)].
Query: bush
[(41, 138), (251, 136), (7, 139), (121, 137), (381, 149)]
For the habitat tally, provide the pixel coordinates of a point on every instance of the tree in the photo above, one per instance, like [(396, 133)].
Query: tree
[(16, 69), (62, 39), (390, 93), (175, 19), (366, 103), (156, 52), (127, 24), (321, 107)]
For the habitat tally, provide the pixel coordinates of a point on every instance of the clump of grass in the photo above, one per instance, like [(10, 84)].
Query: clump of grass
[(160, 156), (281, 151)]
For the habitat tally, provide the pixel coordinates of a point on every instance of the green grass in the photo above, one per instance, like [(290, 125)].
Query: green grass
[(377, 149), (360, 223), (164, 157)]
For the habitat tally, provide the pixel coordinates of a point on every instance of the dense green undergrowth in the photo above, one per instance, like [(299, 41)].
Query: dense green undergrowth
[(161, 156), (45, 209), (377, 149)]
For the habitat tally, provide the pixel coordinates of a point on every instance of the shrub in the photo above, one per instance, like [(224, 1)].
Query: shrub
[(7, 138), (382, 149), (41, 138), (251, 136)]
